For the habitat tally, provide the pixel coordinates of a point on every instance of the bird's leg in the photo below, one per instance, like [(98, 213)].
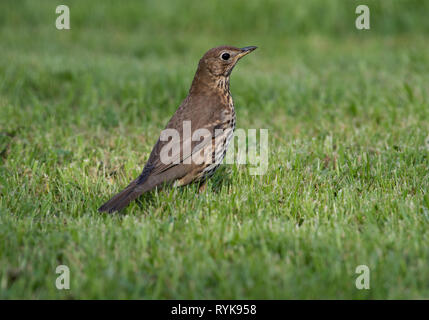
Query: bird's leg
[(203, 186)]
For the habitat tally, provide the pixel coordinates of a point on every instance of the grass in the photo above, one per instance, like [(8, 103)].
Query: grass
[(347, 182)]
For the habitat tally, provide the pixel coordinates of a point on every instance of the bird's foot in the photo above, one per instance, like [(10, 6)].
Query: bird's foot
[(203, 187)]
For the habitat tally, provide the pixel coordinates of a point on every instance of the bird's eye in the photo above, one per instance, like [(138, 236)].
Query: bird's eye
[(225, 56)]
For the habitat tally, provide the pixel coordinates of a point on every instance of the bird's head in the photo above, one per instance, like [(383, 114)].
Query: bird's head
[(215, 67), (220, 61)]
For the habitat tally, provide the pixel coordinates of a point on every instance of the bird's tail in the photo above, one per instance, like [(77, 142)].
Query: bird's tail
[(123, 198)]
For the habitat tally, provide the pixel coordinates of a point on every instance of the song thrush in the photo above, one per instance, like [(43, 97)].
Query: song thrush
[(208, 106)]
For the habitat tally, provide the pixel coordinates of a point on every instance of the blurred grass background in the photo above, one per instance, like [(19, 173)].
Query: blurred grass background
[(347, 113)]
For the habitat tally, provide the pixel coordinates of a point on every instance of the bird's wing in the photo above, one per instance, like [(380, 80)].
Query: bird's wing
[(190, 154), (182, 158)]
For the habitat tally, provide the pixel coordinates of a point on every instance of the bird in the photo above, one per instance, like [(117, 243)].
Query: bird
[(208, 110)]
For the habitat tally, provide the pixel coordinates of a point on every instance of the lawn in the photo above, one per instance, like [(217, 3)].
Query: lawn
[(347, 113)]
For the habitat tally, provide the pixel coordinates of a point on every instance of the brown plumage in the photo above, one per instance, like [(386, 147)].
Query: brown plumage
[(208, 106)]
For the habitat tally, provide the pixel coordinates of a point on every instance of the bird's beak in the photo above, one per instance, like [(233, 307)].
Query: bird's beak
[(245, 50)]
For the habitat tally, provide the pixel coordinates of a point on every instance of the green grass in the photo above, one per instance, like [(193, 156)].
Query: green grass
[(347, 183)]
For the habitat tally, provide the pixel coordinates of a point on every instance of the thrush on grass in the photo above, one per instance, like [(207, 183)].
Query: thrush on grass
[(209, 107)]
